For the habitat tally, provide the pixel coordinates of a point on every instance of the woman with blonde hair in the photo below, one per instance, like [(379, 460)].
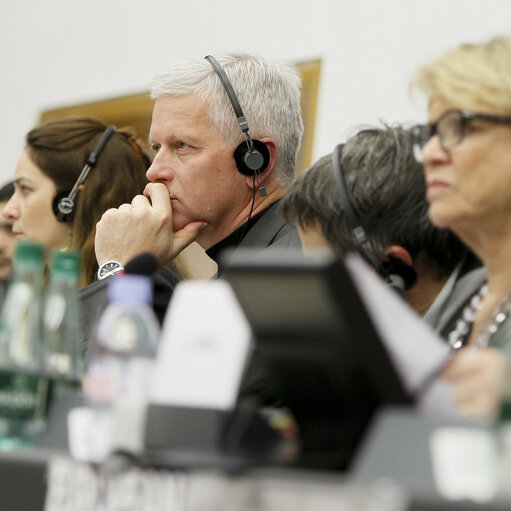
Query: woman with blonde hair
[(466, 152)]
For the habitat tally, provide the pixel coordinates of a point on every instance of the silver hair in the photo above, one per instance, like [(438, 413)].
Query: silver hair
[(268, 92)]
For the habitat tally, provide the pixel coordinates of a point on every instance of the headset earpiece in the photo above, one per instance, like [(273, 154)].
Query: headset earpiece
[(63, 207), (251, 156), (64, 203), (252, 160), (399, 275)]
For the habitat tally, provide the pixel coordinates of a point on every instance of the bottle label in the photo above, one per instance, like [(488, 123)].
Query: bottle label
[(16, 329), (54, 312), (101, 383), (111, 379), (23, 395)]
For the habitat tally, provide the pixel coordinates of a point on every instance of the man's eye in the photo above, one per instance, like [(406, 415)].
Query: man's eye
[(181, 145), (155, 147)]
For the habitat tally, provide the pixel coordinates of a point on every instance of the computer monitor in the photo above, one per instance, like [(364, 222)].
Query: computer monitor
[(318, 346)]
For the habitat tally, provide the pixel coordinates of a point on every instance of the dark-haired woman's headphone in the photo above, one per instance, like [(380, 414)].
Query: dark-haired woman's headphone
[(396, 273), (64, 203), (251, 156)]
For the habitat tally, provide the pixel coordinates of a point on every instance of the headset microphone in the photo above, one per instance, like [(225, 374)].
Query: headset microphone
[(251, 156), (64, 203)]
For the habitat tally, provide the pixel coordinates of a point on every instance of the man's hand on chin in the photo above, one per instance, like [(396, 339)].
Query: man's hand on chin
[(145, 225)]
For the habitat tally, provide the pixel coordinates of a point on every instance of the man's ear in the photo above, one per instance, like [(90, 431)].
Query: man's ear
[(399, 253), (266, 173)]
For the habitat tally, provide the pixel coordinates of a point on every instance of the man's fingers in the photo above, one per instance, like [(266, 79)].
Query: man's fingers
[(186, 236), (158, 195), (140, 200), (126, 208)]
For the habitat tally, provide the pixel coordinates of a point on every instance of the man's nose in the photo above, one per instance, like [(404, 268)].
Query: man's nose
[(160, 169)]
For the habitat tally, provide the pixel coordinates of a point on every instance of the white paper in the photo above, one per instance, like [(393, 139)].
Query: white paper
[(204, 347), (464, 463), (416, 351)]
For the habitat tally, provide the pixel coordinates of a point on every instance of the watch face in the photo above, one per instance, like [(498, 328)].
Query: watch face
[(109, 268)]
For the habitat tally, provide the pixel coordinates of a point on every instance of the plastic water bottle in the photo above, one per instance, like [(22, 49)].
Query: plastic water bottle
[(125, 340), (63, 352), (23, 383), (121, 360)]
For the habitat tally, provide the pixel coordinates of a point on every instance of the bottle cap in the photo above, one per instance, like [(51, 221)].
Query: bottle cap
[(29, 252), (130, 289), (66, 262)]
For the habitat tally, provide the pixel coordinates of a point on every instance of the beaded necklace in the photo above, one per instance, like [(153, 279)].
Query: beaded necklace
[(457, 338)]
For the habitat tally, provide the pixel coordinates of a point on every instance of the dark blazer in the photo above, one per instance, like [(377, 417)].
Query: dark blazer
[(271, 230), (268, 233)]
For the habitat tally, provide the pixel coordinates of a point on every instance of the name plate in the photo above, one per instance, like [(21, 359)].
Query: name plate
[(204, 347)]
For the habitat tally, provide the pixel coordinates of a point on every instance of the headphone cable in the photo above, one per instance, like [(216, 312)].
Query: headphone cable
[(245, 227)]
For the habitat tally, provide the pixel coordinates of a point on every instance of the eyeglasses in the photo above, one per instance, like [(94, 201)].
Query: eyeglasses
[(450, 127)]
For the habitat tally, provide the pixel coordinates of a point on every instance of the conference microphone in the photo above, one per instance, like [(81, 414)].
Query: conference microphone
[(142, 264), (164, 280)]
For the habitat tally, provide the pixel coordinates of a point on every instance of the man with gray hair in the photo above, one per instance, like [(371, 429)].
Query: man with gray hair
[(225, 135)]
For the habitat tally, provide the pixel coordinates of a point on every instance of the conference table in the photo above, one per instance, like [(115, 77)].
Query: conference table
[(393, 470)]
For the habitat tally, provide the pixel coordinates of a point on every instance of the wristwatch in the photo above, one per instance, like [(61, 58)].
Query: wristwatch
[(109, 268)]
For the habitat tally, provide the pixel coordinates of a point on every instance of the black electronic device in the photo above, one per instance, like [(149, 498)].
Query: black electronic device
[(251, 156), (318, 345), (64, 203), (232, 440), (398, 275)]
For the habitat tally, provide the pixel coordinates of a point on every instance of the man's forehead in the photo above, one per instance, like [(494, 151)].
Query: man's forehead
[(178, 113), (186, 105)]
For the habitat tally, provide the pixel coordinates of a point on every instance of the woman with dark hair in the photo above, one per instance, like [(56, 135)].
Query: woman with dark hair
[(52, 170)]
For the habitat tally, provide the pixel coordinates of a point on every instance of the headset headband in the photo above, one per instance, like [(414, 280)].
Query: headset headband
[(242, 121), (357, 230), (251, 156)]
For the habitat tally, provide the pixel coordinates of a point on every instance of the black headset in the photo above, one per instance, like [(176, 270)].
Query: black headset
[(64, 203), (397, 274), (251, 156)]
